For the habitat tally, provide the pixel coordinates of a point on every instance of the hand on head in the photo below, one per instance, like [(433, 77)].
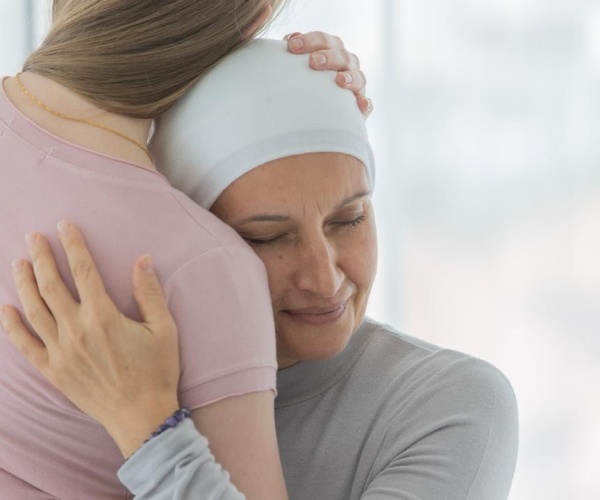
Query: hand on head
[(327, 52)]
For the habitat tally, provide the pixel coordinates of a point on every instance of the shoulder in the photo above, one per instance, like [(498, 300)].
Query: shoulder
[(205, 225), (455, 412), (421, 363), (196, 241), (435, 387)]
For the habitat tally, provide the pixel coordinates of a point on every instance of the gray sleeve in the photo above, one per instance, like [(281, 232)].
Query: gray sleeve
[(455, 438), (177, 465)]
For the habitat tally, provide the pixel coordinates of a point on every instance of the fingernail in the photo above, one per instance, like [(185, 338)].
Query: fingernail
[(366, 105), (63, 227), (30, 240), (347, 78), (18, 265), (296, 43), (319, 59), (146, 264)]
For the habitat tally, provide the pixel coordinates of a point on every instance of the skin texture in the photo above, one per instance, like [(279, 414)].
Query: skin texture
[(124, 373), (310, 220), (85, 349), (241, 429)]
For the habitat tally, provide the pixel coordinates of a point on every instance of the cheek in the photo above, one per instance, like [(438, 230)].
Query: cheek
[(358, 258), (279, 270)]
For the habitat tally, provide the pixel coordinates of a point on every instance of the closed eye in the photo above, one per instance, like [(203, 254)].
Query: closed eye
[(261, 242), (352, 223)]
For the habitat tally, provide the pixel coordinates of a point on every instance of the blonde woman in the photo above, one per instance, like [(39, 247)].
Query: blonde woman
[(73, 133), (363, 412)]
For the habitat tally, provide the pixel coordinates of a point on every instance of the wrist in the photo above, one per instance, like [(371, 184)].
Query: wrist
[(174, 420), (137, 422)]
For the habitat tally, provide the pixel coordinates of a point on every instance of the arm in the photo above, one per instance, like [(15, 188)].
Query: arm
[(122, 373), (177, 465), (125, 374), (327, 52)]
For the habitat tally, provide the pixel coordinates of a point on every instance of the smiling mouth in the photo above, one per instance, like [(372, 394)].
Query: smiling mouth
[(317, 315)]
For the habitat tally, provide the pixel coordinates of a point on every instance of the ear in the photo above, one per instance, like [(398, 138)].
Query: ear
[(259, 22)]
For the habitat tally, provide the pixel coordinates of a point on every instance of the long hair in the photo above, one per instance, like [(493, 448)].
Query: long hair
[(137, 57)]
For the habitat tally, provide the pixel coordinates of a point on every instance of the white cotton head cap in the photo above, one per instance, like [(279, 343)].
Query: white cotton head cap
[(259, 104)]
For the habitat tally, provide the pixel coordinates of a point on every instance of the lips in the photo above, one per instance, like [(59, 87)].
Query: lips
[(317, 315)]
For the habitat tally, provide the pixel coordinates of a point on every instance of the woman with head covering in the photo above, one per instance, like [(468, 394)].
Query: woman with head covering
[(73, 142), (363, 411)]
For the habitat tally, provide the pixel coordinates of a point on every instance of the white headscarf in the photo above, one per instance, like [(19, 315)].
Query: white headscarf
[(257, 105)]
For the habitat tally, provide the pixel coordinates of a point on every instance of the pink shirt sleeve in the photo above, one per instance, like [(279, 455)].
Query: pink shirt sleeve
[(222, 306)]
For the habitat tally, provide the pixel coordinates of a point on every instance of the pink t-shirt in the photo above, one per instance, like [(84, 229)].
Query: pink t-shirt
[(216, 288)]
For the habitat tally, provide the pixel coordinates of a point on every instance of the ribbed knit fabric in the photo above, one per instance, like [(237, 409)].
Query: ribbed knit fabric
[(391, 417)]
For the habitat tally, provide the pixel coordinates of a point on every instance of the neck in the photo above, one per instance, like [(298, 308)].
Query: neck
[(67, 102)]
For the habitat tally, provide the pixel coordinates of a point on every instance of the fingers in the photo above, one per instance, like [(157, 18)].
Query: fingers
[(149, 297), (51, 287), (83, 268), (365, 105), (33, 304), (327, 52), (32, 348), (335, 60), (352, 80), (356, 82), (291, 35), (304, 43)]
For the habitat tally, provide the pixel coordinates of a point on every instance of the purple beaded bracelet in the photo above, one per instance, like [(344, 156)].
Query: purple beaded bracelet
[(177, 417)]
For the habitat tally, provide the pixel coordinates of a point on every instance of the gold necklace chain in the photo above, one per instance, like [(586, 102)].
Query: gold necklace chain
[(79, 120)]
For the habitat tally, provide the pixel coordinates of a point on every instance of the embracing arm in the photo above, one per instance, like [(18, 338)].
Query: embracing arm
[(178, 464), (125, 375)]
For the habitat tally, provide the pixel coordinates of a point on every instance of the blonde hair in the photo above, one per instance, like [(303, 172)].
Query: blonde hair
[(137, 57)]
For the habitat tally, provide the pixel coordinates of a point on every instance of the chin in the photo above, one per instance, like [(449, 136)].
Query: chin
[(297, 341), (312, 344)]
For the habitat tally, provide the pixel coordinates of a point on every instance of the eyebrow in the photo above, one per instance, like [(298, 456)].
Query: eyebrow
[(354, 197), (283, 218)]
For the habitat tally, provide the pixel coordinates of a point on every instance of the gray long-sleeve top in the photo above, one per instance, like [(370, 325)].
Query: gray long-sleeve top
[(391, 417)]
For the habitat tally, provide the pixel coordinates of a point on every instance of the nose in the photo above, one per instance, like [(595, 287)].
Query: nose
[(318, 271)]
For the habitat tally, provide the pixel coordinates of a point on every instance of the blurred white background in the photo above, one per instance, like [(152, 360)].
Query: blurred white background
[(486, 131)]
